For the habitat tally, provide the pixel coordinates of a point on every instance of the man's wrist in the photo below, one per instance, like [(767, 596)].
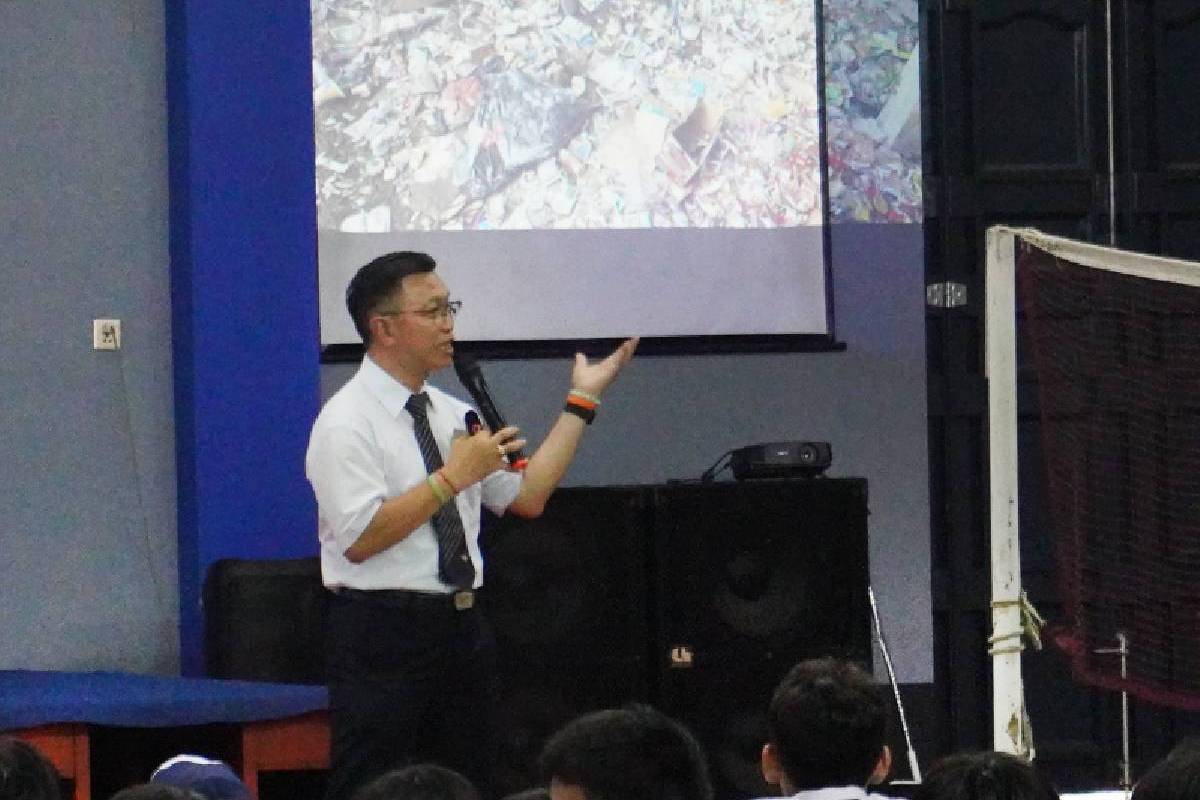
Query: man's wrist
[(450, 484), (581, 405), (440, 492), (588, 397), (454, 479)]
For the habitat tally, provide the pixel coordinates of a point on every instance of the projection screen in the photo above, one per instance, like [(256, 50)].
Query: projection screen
[(579, 168)]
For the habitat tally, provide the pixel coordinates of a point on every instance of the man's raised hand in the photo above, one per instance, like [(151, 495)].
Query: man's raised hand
[(593, 379)]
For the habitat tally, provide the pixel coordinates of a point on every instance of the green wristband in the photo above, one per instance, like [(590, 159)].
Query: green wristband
[(439, 491)]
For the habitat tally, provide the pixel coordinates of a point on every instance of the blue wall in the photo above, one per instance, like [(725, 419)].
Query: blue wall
[(243, 286)]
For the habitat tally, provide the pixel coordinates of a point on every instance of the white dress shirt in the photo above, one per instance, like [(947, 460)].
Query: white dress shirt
[(362, 451), (835, 793)]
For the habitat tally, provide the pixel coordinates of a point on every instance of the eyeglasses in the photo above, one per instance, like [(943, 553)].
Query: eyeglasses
[(439, 313)]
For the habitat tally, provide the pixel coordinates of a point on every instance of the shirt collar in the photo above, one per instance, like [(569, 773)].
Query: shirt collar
[(391, 393), (832, 793)]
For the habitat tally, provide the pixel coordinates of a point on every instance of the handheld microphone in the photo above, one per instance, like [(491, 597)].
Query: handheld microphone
[(472, 380)]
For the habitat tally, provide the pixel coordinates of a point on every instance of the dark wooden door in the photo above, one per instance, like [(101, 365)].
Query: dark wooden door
[(1017, 112)]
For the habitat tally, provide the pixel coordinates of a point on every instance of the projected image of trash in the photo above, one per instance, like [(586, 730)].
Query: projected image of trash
[(873, 110), (571, 114)]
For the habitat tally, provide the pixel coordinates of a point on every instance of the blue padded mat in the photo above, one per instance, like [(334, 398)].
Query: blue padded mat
[(30, 698)]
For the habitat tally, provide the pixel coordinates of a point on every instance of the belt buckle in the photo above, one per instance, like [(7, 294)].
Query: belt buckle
[(464, 600)]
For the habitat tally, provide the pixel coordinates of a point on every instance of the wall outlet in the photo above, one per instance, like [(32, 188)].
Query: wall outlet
[(106, 334)]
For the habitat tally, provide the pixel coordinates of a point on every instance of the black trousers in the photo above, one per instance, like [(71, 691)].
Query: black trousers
[(411, 679)]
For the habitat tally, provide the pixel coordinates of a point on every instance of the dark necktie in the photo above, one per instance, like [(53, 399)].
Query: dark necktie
[(454, 563)]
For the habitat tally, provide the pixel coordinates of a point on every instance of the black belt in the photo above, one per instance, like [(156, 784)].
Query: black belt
[(461, 600)]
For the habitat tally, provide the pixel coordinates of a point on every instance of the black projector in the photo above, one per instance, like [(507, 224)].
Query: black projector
[(781, 460)]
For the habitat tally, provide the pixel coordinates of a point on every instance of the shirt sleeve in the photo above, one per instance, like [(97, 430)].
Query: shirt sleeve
[(500, 489), (347, 477)]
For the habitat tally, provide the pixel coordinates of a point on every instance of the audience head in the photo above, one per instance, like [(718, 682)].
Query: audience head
[(25, 774), (985, 776), (1176, 777), (419, 782), (155, 791), (827, 724), (630, 753), (375, 284), (212, 780)]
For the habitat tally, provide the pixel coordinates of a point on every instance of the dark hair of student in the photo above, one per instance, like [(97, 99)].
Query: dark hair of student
[(419, 782), (630, 753), (25, 774), (1176, 777), (828, 723), (985, 776)]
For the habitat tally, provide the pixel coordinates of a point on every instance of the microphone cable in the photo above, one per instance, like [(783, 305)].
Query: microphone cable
[(711, 472)]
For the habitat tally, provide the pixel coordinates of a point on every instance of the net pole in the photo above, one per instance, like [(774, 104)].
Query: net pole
[(1010, 732), (1122, 650), (1112, 127)]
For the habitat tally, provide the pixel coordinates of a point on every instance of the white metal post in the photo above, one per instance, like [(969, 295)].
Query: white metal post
[(1009, 727)]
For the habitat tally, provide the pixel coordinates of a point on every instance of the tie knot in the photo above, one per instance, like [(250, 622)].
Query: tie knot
[(416, 403)]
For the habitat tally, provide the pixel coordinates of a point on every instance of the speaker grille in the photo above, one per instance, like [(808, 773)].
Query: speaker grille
[(571, 586), (752, 578), (567, 596)]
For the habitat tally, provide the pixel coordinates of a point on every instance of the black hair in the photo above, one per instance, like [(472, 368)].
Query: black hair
[(828, 724), (374, 283), (630, 753), (419, 782), (985, 776), (25, 774), (1176, 777)]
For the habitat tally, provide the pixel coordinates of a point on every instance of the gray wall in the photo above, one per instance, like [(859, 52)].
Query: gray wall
[(87, 498), (670, 417), (87, 469)]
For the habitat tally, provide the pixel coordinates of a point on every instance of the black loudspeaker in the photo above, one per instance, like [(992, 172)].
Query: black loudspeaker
[(566, 595), (696, 598), (752, 578), (264, 620)]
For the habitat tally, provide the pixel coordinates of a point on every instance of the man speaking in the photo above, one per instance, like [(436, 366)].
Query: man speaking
[(400, 482)]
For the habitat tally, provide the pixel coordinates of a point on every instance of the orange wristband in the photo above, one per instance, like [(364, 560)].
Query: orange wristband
[(576, 399)]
